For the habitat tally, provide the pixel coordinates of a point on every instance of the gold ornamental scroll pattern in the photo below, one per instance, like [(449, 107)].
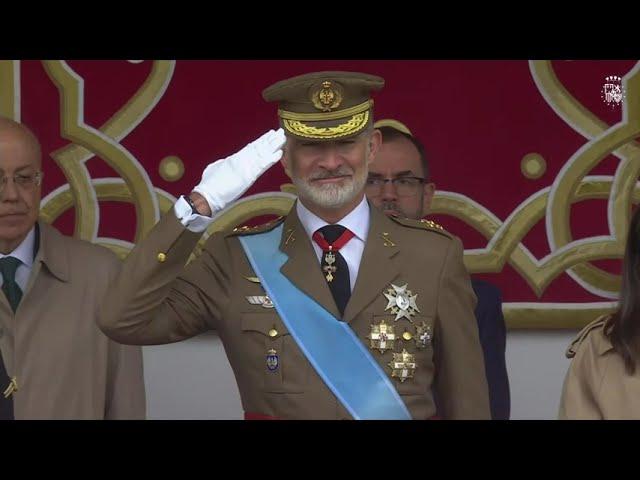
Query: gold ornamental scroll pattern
[(10, 89), (604, 140), (105, 143), (133, 187), (505, 238), (553, 204)]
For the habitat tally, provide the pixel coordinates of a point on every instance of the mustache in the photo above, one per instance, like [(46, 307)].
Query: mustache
[(388, 205), (338, 172)]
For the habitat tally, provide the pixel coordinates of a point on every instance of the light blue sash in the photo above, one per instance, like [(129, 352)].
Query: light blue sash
[(340, 358)]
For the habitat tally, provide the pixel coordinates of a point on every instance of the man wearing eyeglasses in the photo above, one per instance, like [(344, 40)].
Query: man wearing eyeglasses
[(54, 361), (400, 184)]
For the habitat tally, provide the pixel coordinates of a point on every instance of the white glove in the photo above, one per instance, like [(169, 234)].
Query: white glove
[(226, 180)]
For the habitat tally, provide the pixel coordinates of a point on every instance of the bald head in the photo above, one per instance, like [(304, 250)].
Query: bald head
[(12, 132), (20, 175)]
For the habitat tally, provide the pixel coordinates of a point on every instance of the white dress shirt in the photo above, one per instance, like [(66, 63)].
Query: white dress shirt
[(357, 221)]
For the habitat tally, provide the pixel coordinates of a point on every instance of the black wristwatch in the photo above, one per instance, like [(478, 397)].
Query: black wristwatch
[(194, 210)]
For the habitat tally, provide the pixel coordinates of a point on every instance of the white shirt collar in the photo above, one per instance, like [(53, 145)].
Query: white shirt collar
[(24, 251), (357, 220)]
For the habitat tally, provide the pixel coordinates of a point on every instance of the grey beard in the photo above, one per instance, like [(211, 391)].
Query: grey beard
[(331, 196)]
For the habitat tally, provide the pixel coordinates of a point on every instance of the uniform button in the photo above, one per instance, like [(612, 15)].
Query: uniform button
[(273, 333), (162, 257), (407, 336)]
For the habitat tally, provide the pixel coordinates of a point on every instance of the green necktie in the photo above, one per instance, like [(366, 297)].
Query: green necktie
[(8, 267)]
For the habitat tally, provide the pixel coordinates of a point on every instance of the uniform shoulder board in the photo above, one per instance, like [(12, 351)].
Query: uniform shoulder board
[(265, 227), (421, 224), (599, 322)]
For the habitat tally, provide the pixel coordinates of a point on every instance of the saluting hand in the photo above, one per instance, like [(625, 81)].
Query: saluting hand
[(226, 180)]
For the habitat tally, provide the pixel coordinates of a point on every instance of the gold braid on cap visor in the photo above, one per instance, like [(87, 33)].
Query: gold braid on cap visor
[(293, 122)]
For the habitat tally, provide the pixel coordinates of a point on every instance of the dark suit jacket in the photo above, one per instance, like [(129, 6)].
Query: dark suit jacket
[(493, 337)]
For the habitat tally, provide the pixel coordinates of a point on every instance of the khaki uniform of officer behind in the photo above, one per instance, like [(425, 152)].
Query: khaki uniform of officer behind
[(412, 304)]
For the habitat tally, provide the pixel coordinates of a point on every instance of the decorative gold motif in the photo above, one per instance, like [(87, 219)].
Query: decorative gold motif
[(10, 89), (581, 163), (104, 143), (352, 126), (402, 302), (554, 316), (171, 168), (328, 97), (382, 337), (403, 365), (504, 236), (570, 186), (533, 166)]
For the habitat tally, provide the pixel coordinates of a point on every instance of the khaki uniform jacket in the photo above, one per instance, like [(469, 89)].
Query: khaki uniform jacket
[(597, 385), (65, 367), (155, 301)]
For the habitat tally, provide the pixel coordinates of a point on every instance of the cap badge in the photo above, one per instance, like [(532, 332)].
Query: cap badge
[(328, 97)]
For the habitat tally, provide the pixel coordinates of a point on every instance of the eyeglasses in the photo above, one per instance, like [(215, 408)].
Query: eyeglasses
[(24, 182), (404, 186)]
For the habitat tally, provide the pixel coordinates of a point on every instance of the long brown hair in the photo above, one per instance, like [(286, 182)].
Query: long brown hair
[(624, 326)]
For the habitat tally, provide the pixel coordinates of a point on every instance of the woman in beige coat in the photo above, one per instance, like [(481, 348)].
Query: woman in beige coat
[(603, 381)]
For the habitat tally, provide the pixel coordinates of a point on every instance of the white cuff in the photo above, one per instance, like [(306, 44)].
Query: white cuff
[(194, 222)]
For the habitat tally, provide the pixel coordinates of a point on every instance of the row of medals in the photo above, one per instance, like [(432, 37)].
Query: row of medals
[(383, 336), (402, 303)]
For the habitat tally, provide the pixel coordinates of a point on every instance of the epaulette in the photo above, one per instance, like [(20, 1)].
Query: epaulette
[(584, 333), (421, 224), (265, 227)]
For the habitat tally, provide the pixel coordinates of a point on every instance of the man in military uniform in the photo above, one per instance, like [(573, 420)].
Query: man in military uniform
[(334, 312)]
